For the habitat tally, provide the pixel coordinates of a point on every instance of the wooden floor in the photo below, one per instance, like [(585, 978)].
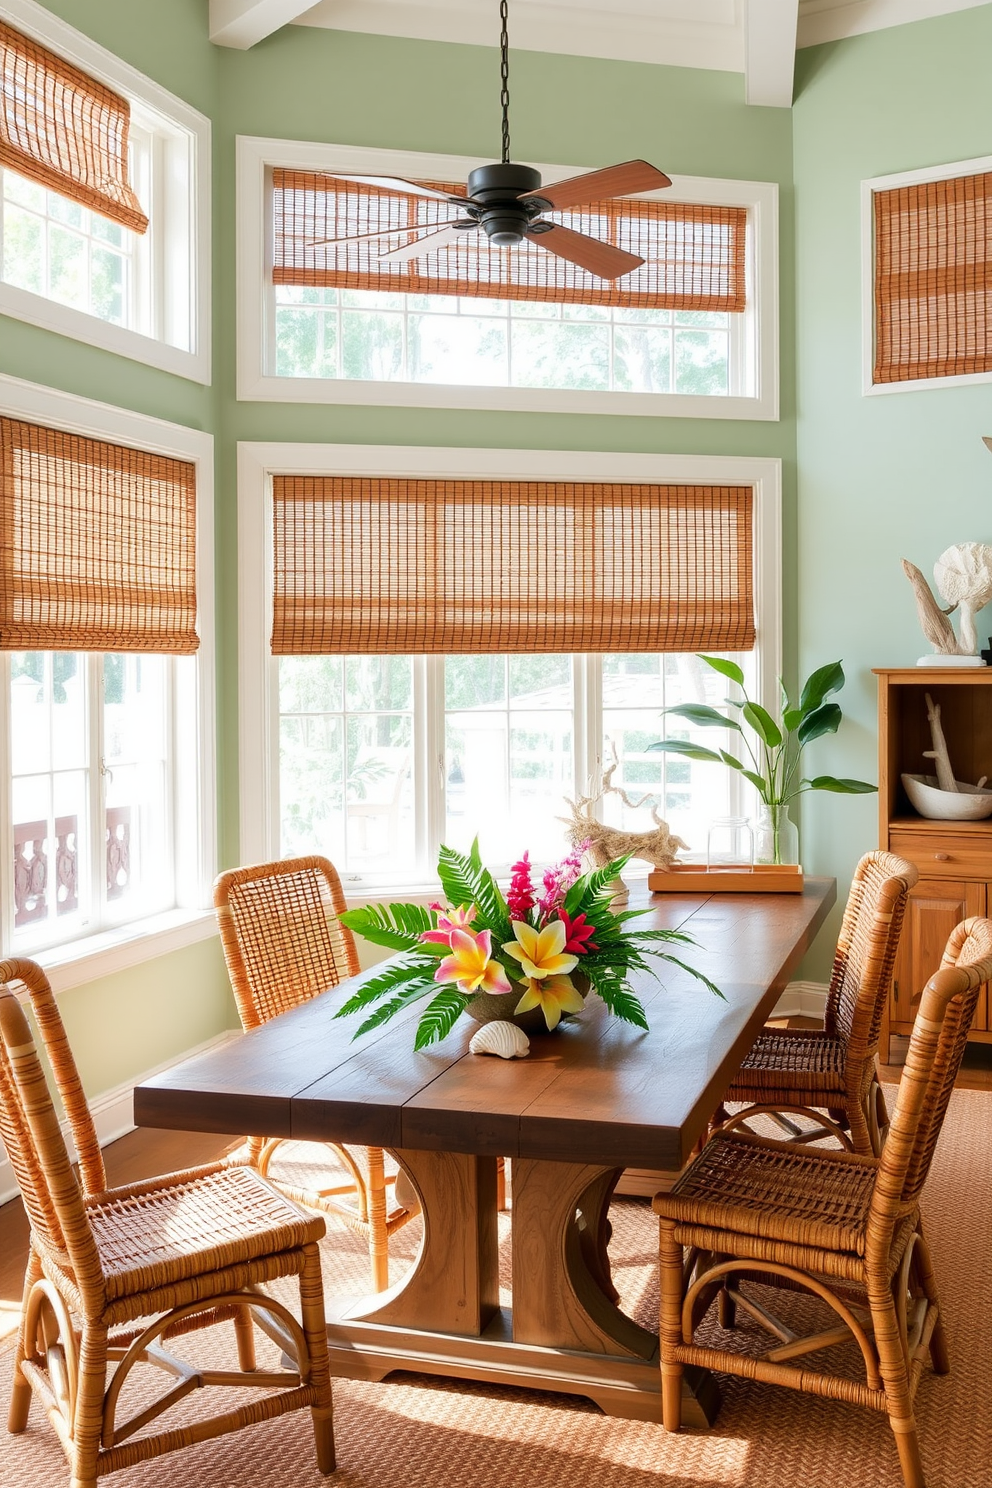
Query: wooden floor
[(145, 1153)]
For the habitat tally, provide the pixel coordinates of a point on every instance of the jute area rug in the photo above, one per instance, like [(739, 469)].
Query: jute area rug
[(412, 1431)]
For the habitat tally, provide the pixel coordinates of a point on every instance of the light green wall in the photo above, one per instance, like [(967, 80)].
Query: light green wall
[(876, 477), (894, 475)]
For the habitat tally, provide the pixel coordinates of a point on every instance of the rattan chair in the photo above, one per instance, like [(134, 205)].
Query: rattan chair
[(283, 944), (115, 1275), (798, 1070), (841, 1226)]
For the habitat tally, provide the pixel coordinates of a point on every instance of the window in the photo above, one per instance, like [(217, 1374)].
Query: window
[(107, 819), (380, 343), (927, 245), (375, 759), (68, 268)]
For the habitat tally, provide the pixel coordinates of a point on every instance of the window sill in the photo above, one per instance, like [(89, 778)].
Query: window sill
[(81, 961), (64, 320)]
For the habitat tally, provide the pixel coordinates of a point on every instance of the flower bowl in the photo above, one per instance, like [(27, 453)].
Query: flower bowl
[(967, 803)]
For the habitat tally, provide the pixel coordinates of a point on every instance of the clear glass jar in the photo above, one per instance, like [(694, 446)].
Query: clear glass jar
[(776, 836), (730, 843)]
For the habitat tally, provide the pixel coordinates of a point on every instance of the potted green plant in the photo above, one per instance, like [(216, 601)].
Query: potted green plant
[(773, 754)]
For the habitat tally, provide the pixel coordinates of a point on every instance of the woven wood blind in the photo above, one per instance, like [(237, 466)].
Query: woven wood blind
[(430, 566), (97, 545), (63, 129), (933, 279), (694, 255)]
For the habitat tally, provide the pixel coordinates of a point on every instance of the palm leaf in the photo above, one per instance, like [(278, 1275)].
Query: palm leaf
[(440, 1017), (389, 1009), (619, 999), (395, 975), (587, 889), (398, 926), (465, 881), (700, 976)]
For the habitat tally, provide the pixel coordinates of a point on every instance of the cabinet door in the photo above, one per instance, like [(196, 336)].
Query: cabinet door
[(935, 907)]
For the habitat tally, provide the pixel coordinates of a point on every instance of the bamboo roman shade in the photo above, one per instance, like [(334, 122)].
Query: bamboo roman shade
[(694, 255), (448, 566), (933, 279), (65, 130), (97, 545)]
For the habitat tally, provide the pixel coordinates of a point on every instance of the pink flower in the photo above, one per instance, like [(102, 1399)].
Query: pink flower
[(448, 920), (578, 933), (520, 897), (558, 879), (470, 965)]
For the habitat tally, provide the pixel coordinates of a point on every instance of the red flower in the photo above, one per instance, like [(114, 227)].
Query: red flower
[(520, 896), (578, 934)]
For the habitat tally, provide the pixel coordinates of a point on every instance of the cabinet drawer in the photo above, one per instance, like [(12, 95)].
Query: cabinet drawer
[(946, 856)]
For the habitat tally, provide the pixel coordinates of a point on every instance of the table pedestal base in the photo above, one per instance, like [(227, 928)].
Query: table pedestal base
[(621, 1386), (565, 1331)]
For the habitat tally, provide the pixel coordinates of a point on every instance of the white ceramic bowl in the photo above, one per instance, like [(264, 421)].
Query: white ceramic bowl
[(967, 803)]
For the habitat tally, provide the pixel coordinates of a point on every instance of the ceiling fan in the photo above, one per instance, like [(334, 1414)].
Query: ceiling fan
[(508, 203)]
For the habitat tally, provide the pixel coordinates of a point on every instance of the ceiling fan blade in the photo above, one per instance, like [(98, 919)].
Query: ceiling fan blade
[(601, 185), (442, 239), (588, 253), (397, 183), (383, 232)]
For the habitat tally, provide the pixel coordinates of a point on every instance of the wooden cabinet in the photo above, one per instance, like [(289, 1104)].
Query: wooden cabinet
[(954, 858)]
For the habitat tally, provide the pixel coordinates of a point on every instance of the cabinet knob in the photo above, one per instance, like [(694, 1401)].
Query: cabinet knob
[(942, 857)]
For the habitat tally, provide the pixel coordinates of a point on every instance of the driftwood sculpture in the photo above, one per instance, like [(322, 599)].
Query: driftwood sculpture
[(963, 575), (604, 843)]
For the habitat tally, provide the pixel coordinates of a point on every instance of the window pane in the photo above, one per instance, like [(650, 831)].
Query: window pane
[(49, 795), (561, 356), (687, 794), (469, 351), (508, 753), (701, 362), (138, 846), (306, 342), (643, 359), (346, 760)]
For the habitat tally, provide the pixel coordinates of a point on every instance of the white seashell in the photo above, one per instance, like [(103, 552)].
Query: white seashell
[(504, 1039)]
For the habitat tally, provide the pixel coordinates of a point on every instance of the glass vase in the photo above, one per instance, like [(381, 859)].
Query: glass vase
[(776, 836)]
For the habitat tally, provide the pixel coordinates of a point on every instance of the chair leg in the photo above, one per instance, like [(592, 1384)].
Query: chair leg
[(378, 1233), (88, 1420), (244, 1330), (315, 1332), (726, 1309), (20, 1392), (670, 1258), (923, 1265), (895, 1379), (501, 1184)]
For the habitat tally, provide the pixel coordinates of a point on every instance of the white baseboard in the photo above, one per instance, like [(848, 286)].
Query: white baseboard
[(112, 1111), (802, 1000)]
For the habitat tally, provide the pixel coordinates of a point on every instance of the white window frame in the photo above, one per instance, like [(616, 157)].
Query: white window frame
[(178, 246), (868, 189), (256, 159), (194, 758), (258, 670)]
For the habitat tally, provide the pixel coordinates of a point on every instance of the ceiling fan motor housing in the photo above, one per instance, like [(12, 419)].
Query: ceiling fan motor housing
[(495, 191)]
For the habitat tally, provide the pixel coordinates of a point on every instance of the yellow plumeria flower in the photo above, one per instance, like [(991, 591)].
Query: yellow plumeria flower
[(470, 966), (540, 952), (554, 995)]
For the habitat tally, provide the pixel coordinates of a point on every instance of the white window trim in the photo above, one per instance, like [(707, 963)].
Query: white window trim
[(868, 189), (196, 851), (258, 669), (189, 217), (257, 157)]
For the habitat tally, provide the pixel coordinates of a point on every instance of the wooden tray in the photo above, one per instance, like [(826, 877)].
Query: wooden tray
[(696, 878)]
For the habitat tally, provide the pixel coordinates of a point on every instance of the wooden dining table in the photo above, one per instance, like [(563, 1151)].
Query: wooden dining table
[(593, 1098)]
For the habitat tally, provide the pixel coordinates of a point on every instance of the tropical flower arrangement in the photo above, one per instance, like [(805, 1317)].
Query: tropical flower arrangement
[(544, 946)]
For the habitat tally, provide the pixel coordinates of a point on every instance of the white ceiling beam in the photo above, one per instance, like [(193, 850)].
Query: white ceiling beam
[(240, 23), (770, 51)]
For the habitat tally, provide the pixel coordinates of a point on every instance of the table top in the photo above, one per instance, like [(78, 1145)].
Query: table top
[(598, 1088)]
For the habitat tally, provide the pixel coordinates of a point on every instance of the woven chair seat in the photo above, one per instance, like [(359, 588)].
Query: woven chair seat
[(753, 1187), (810, 1059), (170, 1232)]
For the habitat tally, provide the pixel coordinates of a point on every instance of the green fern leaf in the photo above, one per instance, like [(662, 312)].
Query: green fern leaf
[(395, 975), (440, 1017)]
